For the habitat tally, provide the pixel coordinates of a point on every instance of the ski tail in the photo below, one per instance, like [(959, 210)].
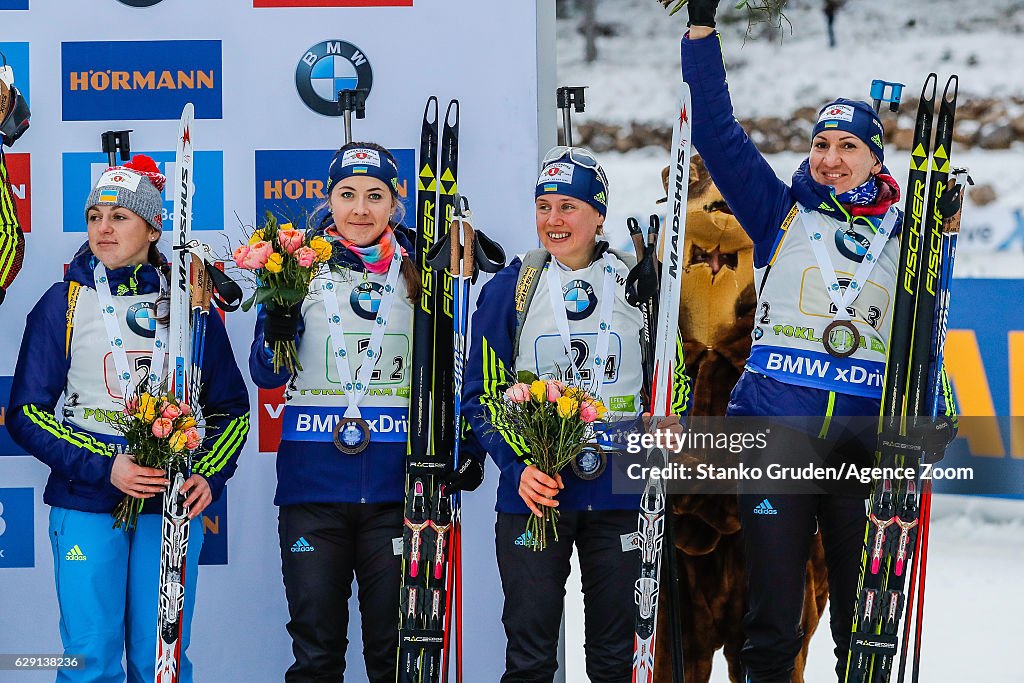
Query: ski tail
[(936, 389), (426, 235), (429, 577), (443, 425)]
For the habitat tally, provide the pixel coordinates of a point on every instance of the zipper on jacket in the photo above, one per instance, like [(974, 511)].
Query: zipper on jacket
[(362, 477)]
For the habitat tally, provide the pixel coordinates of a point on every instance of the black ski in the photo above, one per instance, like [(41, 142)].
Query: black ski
[(424, 620), (893, 521)]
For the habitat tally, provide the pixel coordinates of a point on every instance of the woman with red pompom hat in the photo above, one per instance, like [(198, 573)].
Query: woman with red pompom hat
[(115, 290)]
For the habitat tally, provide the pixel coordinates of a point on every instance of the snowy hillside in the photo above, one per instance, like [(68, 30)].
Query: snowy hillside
[(896, 41)]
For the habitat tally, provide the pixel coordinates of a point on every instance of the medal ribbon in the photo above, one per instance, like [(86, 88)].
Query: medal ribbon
[(116, 337), (356, 390), (554, 282), (840, 297)]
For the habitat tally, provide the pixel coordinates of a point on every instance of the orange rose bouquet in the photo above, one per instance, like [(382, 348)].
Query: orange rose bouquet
[(160, 431), (553, 421), (283, 260)]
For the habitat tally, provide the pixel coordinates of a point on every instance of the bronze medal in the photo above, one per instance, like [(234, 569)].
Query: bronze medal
[(590, 463), (351, 435), (841, 338)]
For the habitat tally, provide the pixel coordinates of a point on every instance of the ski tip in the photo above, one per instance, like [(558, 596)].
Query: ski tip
[(950, 91), (931, 84), (430, 110), (188, 111), (451, 117)]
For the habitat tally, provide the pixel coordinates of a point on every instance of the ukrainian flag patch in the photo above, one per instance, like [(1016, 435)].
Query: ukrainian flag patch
[(108, 196)]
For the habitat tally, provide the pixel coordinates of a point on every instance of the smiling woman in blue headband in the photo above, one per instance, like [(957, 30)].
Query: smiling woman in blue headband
[(579, 308)]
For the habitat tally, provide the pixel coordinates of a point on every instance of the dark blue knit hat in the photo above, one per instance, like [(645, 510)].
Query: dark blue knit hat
[(363, 161), (575, 173), (856, 117)]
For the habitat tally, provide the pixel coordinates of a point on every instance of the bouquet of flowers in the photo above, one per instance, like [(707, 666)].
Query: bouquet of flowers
[(555, 421), (284, 261), (161, 432)]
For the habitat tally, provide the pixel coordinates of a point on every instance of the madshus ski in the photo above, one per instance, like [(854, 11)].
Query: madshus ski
[(428, 577), (175, 527), (896, 520), (195, 282), (658, 297)]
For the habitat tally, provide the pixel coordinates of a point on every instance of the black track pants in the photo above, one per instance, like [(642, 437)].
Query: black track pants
[(322, 546), (534, 587), (777, 539)]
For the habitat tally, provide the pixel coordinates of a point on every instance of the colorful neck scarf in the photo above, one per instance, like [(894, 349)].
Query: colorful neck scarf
[(862, 195), (376, 257)]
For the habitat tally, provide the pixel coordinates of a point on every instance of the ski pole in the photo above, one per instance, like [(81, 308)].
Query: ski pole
[(959, 178), (569, 98)]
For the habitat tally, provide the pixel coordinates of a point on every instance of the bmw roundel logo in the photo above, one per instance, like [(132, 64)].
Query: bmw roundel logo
[(141, 319), (852, 244), (328, 67), (580, 299), (365, 299)]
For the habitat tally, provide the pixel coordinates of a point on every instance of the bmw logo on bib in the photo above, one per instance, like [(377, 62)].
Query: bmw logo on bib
[(580, 300), (852, 244), (365, 299), (141, 319), (328, 67)]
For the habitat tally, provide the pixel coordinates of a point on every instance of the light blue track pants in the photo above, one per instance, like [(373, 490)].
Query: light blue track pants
[(107, 581)]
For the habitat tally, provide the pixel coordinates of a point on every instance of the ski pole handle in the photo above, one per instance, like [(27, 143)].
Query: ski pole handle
[(879, 88), (569, 97), (468, 238), (637, 235)]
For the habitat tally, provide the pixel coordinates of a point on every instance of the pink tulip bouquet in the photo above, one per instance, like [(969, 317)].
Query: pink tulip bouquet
[(550, 421), (160, 431), (283, 261)]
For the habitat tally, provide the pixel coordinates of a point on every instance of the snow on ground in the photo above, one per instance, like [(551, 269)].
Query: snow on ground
[(633, 77), (973, 599)]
